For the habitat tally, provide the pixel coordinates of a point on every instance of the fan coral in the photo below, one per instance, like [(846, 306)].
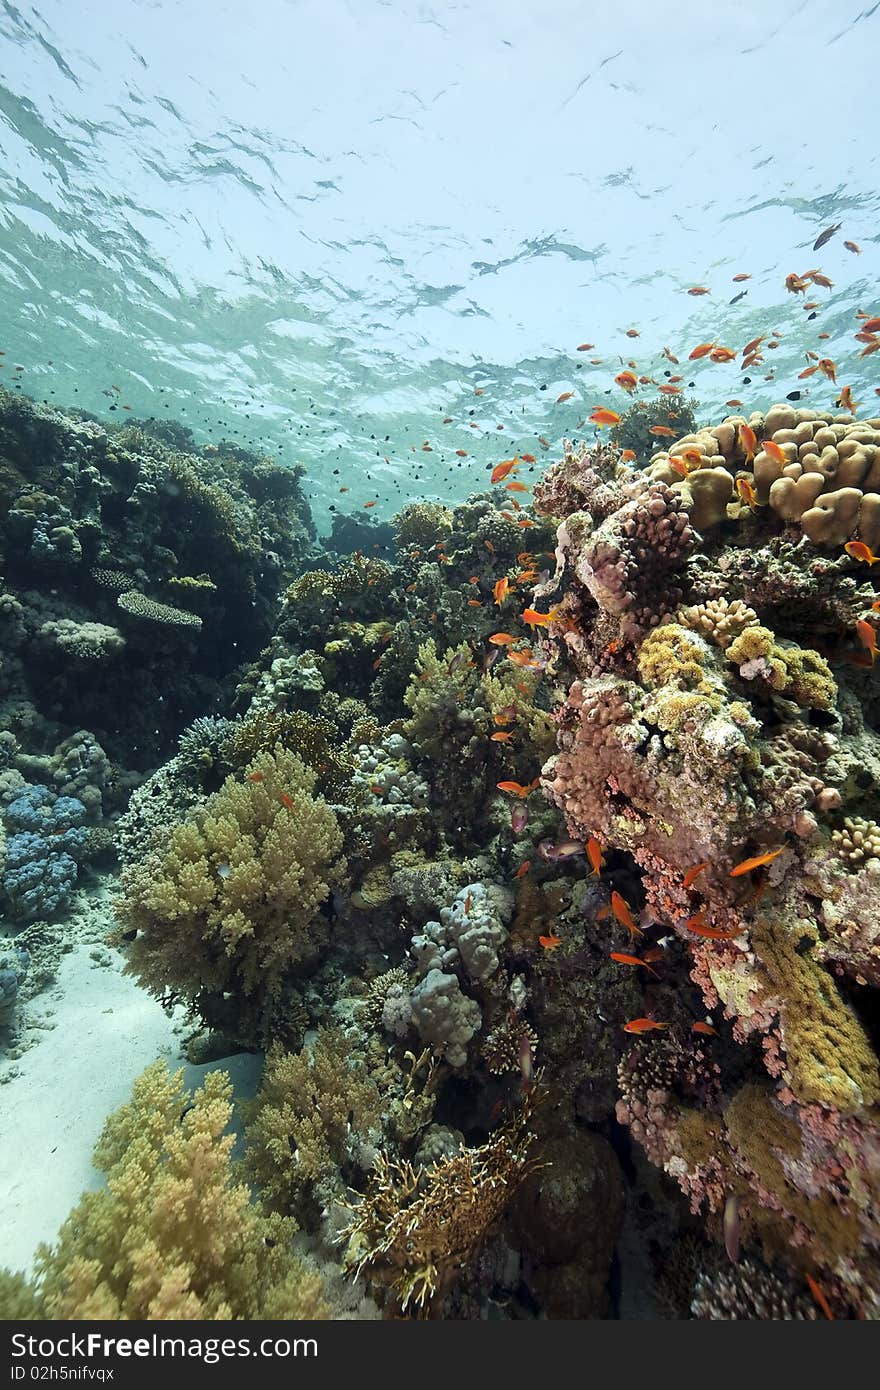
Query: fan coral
[(232, 905), (174, 1233)]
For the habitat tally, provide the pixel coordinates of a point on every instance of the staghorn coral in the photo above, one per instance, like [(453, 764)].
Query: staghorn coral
[(232, 905), (174, 1233), (311, 1118), (415, 1229)]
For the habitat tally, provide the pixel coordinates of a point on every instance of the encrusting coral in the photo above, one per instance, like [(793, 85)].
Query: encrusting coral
[(232, 906), (174, 1234)]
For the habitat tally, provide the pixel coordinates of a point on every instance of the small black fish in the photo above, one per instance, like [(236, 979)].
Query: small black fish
[(747, 381), (826, 235), (742, 294), (793, 396), (812, 316)]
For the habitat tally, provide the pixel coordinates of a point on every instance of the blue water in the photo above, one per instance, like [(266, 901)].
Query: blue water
[(320, 227)]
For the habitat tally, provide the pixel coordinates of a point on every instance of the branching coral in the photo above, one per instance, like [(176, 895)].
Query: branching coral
[(233, 905), (174, 1233), (415, 1229)]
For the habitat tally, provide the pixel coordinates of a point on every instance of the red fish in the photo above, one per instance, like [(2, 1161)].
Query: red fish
[(286, 801), (594, 854), (643, 1025), (550, 943), (867, 635), (819, 1294), (523, 868), (706, 1028)]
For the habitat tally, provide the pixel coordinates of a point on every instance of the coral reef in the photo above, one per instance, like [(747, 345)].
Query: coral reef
[(174, 1233)]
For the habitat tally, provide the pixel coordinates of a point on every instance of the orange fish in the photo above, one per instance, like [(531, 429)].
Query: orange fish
[(620, 908), (700, 289), (819, 279), (501, 590), (661, 431), (501, 639), (628, 456), (369, 504), (774, 451), (845, 400), (474, 603), (601, 417), (501, 738), (867, 635), (585, 347), (462, 453), (565, 396), (872, 347), (520, 658), (286, 801), (594, 854), (255, 776), (447, 419), (501, 470), (670, 357), (623, 959), (632, 333), (827, 367), (699, 928), (535, 619), (669, 390), (749, 440), (746, 491), (549, 943), (871, 325), (808, 371), (721, 354), (705, 1028), (733, 402), (701, 350), (693, 874), (819, 1294), (753, 345), (626, 381), (854, 247), (515, 487), (679, 466), (859, 551), (643, 1025), (738, 279), (517, 788), (523, 868), (748, 864), (795, 284), (527, 458)]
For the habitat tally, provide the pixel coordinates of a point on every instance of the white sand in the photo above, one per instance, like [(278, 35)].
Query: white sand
[(98, 1032)]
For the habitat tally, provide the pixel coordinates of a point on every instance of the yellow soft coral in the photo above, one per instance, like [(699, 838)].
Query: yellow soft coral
[(310, 1107), (800, 674), (174, 1234), (233, 904)]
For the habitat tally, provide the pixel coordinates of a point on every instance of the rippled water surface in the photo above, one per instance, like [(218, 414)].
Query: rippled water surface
[(325, 227)]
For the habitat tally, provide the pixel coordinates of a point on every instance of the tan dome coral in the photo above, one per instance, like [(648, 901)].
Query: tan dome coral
[(824, 473)]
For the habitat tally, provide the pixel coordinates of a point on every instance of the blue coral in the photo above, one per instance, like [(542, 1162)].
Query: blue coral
[(43, 854)]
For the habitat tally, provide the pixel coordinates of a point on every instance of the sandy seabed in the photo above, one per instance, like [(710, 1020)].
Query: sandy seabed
[(79, 1046)]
